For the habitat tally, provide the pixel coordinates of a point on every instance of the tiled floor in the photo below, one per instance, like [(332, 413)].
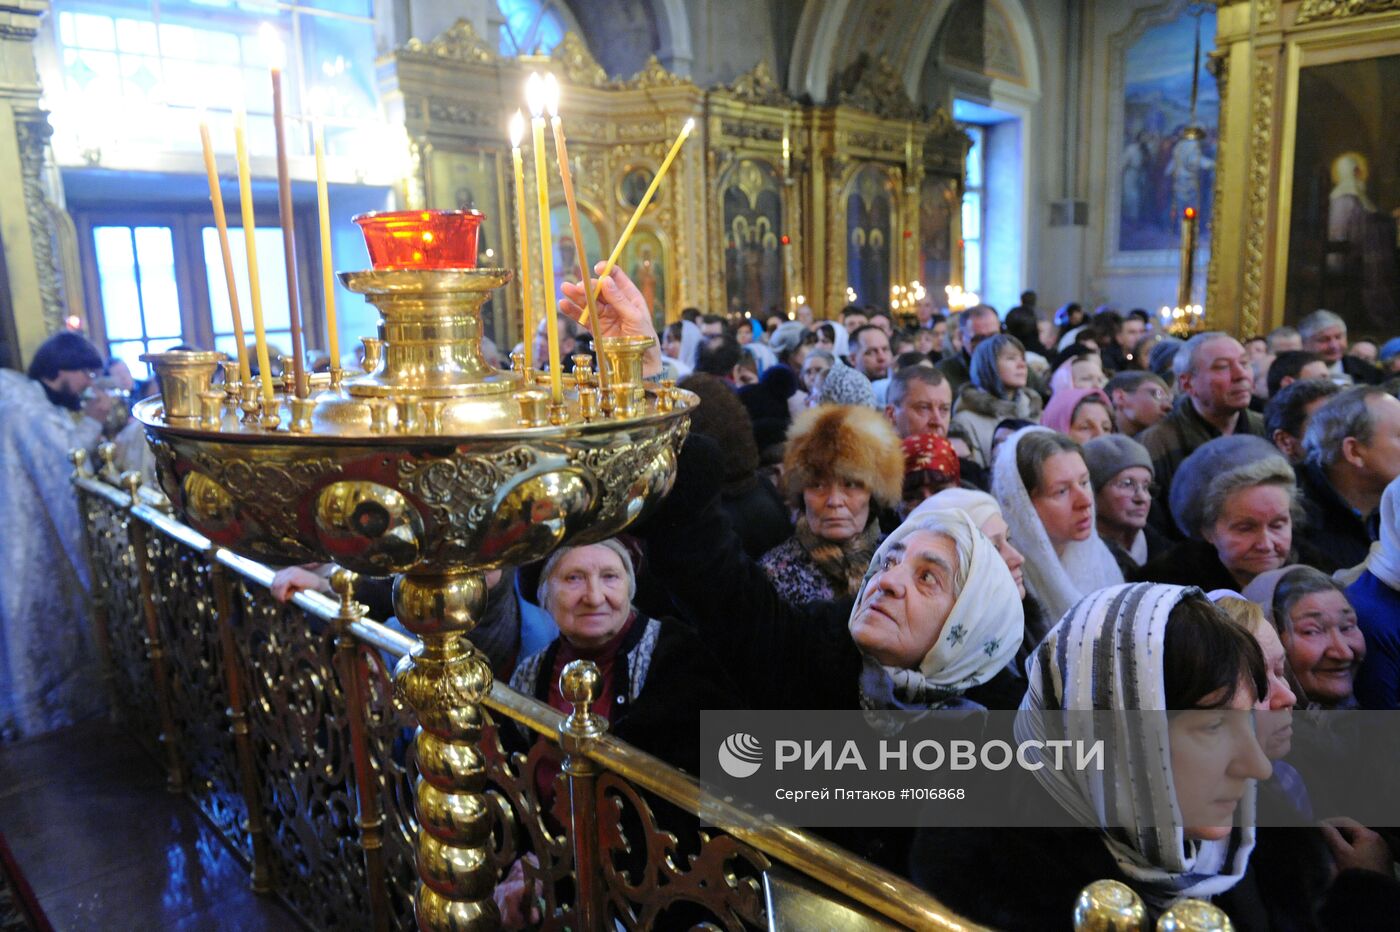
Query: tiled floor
[(106, 847)]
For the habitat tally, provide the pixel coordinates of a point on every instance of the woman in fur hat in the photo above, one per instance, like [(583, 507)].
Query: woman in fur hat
[(843, 463), (998, 391)]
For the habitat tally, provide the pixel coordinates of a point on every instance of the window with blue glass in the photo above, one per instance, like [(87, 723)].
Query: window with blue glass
[(972, 211), (530, 26)]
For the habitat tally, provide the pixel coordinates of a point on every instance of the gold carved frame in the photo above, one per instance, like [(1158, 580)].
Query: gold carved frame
[(1262, 45)]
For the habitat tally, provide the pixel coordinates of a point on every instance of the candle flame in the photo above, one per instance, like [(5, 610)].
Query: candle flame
[(534, 94), (551, 94), (688, 127), (517, 129), (272, 46)]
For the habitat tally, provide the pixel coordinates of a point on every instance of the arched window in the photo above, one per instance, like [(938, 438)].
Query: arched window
[(530, 26)]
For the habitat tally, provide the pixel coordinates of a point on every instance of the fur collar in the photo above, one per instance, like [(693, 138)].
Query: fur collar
[(978, 401)]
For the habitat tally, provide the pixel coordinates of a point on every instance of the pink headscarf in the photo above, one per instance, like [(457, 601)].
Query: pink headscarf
[(1060, 411)]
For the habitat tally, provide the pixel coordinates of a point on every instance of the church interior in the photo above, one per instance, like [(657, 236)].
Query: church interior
[(338, 328)]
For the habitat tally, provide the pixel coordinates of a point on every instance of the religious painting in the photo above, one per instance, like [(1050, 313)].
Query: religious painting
[(869, 229), (938, 205), (753, 230), (565, 252), (632, 187), (644, 261), (1342, 226), (1167, 151), (468, 180)]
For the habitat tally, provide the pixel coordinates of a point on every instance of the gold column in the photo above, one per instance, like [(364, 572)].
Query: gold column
[(259, 879), (27, 214), (444, 685), (579, 685), (155, 645), (371, 818)]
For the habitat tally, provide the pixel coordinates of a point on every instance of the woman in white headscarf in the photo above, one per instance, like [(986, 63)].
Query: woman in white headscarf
[(1143, 648), (1043, 485)]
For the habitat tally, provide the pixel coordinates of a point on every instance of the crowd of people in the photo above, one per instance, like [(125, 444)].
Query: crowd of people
[(981, 511)]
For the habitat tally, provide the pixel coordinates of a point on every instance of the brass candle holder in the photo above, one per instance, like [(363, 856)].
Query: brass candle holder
[(434, 466)]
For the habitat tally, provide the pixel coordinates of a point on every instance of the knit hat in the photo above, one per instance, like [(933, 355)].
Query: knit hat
[(786, 337), (845, 386), (1213, 466), (1389, 350), (846, 442), (927, 452), (1110, 454)]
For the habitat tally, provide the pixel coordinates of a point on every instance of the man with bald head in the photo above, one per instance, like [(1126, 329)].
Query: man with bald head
[(1216, 384)]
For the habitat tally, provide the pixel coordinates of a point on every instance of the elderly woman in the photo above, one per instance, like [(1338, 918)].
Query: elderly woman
[(1235, 499), (815, 365), (1081, 369), (843, 385), (1318, 628), (1079, 413), (998, 391), (1043, 485), (842, 464), (1154, 818), (1120, 470), (1375, 595)]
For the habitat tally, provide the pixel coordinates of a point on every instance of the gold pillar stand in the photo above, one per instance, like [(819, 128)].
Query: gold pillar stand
[(444, 685)]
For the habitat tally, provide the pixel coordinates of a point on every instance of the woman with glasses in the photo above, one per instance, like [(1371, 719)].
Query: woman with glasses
[(1121, 472)]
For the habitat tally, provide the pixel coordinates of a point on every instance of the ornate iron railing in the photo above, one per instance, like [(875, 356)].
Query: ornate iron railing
[(280, 722)]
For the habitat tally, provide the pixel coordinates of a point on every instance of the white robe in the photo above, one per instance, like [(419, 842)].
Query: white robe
[(48, 665)]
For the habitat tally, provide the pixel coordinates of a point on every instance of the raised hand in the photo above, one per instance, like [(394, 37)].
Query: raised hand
[(622, 312)]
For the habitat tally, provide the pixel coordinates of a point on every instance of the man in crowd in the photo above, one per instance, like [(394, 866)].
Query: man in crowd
[(853, 317), (48, 677), (1352, 451), (1365, 351), (1140, 399), (1289, 411), (1325, 334), (1283, 339), (1216, 381), (919, 400), (974, 325), (870, 352), (1294, 365), (712, 326), (1119, 356)]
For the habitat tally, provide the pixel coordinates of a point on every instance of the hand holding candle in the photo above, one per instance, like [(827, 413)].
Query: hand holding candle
[(517, 132), (646, 199), (534, 95)]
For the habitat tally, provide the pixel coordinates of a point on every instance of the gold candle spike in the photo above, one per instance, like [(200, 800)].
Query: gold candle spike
[(337, 376), (379, 415), (408, 414), (301, 415), (270, 418), (233, 396), (558, 413), (621, 358), (250, 405), (1109, 906), (183, 375), (211, 405), (533, 411), (374, 353), (583, 369), (289, 378), (1194, 916), (432, 415), (588, 402), (666, 398), (517, 362), (622, 400)]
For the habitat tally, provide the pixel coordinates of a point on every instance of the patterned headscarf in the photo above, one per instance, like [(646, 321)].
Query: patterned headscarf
[(1106, 655), (845, 386), (931, 453), (980, 636)]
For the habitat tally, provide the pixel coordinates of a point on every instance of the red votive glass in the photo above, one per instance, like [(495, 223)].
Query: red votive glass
[(421, 239)]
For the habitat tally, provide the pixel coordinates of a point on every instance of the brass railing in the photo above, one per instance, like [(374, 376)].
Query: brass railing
[(280, 722)]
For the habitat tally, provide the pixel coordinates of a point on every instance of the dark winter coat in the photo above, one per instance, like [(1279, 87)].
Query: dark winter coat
[(1341, 535)]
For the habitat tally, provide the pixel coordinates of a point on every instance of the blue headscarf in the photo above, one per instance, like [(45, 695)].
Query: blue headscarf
[(984, 363)]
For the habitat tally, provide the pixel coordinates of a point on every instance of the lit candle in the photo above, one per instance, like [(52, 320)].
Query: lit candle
[(323, 208), (534, 96), (646, 199), (276, 55), (561, 154), (245, 200), (216, 195), (517, 132)]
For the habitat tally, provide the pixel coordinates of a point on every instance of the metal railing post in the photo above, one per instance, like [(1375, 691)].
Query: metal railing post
[(579, 685)]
